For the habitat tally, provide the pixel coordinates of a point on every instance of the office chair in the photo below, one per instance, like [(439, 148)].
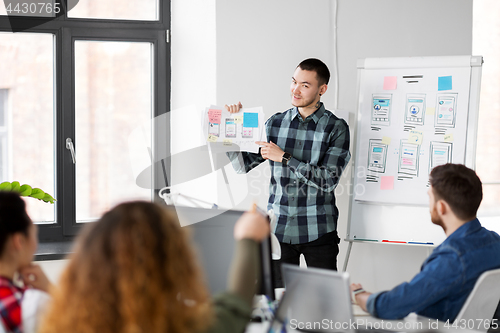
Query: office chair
[(482, 301)]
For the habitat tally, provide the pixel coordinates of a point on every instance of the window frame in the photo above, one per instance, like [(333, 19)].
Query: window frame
[(66, 31), (4, 131)]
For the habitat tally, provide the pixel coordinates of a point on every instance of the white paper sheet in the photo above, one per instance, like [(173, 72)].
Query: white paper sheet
[(229, 128), (408, 130)]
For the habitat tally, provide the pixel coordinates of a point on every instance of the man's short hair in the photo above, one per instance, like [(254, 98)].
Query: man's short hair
[(460, 187), (317, 66)]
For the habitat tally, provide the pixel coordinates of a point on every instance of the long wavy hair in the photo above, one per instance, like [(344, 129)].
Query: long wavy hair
[(133, 271)]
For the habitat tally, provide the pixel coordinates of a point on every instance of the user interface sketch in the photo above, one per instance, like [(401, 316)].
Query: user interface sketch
[(381, 110), (409, 121), (239, 129)]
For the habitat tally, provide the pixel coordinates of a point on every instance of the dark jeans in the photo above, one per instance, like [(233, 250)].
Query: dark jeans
[(321, 253)]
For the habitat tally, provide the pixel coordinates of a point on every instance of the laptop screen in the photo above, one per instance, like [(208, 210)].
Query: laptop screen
[(315, 300)]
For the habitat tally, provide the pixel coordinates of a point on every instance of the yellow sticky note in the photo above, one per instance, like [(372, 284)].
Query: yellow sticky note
[(238, 119), (212, 138), (227, 142), (448, 137), (415, 137), (430, 111), (386, 140)]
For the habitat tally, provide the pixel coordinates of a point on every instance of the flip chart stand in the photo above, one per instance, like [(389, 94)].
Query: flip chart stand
[(385, 88)]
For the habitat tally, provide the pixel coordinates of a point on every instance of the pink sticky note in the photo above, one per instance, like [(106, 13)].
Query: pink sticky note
[(390, 82), (387, 183), (214, 116)]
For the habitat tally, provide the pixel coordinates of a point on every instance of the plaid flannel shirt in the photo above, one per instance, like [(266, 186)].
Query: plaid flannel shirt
[(10, 305), (301, 193)]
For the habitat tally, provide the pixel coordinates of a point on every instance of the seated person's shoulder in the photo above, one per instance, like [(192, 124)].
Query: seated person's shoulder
[(493, 235), (480, 239), (490, 238), (480, 246)]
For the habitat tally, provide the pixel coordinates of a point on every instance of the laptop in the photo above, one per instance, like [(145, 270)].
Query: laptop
[(316, 300)]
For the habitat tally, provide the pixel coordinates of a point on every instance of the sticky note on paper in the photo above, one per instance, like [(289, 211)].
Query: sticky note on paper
[(390, 82), (408, 161), (227, 142), (250, 119), (214, 116), (238, 119), (444, 83), (386, 140), (212, 138), (430, 111), (448, 137), (415, 137), (387, 183)]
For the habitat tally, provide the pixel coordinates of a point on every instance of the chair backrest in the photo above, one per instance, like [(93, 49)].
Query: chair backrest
[(482, 301)]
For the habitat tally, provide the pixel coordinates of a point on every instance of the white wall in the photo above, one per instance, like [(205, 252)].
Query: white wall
[(193, 83)]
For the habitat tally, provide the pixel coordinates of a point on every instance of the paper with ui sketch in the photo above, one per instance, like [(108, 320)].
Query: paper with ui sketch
[(240, 130)]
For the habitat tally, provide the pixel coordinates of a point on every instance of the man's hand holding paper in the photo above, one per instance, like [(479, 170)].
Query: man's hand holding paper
[(234, 126)]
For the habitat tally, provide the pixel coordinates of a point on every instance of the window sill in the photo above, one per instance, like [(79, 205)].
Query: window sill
[(53, 250)]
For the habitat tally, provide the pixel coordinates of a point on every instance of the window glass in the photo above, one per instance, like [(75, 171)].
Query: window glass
[(3, 108), (27, 103), (146, 10), (486, 42), (113, 94)]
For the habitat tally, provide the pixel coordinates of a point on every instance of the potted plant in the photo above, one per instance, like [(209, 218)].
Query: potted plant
[(27, 191)]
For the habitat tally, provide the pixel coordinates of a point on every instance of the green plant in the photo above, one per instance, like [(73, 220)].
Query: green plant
[(27, 191)]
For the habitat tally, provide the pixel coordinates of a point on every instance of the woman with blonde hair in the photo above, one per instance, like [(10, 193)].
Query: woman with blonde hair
[(135, 271)]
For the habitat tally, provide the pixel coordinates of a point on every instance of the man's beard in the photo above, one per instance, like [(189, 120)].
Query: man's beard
[(303, 102), (436, 219)]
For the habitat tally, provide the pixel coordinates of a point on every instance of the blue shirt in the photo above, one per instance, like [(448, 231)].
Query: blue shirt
[(446, 278), (301, 193)]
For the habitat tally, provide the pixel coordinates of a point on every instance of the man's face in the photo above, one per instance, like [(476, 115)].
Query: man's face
[(435, 218), (305, 88)]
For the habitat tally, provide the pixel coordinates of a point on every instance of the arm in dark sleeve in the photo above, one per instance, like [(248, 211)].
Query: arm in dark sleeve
[(244, 161), (439, 278)]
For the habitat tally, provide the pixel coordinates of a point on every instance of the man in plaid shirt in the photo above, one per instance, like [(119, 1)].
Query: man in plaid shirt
[(308, 149)]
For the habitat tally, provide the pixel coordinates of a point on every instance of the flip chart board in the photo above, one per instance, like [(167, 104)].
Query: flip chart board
[(413, 114)]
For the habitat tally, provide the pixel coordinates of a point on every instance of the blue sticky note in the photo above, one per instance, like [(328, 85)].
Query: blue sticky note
[(250, 119), (444, 83)]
